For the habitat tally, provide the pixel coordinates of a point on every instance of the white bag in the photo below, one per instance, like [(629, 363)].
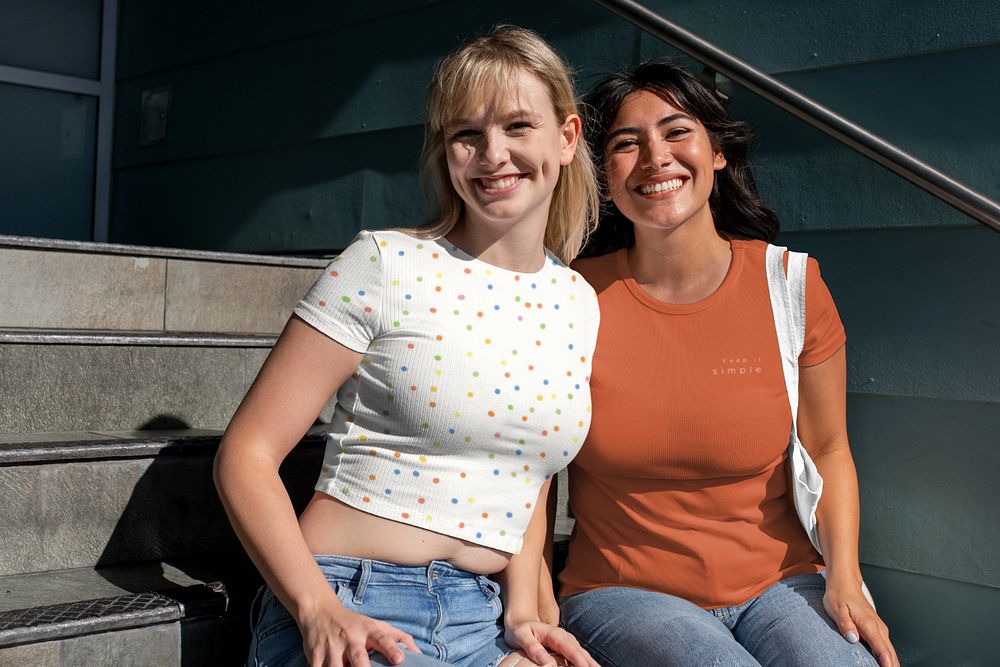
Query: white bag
[(788, 305)]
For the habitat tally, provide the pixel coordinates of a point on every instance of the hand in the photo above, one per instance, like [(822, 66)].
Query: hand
[(856, 620), (536, 640), (342, 637)]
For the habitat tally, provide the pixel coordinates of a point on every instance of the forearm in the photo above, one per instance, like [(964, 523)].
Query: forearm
[(264, 520), (548, 606), (521, 576), (838, 514)]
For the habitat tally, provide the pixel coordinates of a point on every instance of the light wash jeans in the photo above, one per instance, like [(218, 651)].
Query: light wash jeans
[(453, 615), (784, 625)]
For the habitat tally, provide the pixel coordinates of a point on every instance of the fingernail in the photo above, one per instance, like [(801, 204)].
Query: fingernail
[(852, 637)]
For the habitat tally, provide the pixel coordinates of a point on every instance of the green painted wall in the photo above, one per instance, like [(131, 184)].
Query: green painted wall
[(295, 125)]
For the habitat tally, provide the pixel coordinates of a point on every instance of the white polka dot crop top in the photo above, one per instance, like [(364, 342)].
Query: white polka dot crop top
[(472, 391)]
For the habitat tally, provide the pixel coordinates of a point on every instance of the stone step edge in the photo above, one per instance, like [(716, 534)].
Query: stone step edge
[(84, 617), (105, 445), (11, 336), (36, 243)]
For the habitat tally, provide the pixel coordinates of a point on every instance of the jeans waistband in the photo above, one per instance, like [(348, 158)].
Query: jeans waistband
[(434, 574)]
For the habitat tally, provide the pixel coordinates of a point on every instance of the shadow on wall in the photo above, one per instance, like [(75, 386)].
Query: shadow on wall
[(319, 131)]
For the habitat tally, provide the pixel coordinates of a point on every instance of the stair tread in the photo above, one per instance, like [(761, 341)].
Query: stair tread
[(42, 447), (44, 606)]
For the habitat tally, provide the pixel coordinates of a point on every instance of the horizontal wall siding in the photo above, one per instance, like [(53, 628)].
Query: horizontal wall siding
[(921, 307), (788, 35), (928, 470), (308, 131)]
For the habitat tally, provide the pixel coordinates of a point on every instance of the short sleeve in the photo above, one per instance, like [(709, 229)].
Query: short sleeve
[(345, 302), (824, 330)]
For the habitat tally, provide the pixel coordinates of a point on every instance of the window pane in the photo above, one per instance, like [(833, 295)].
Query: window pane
[(60, 36), (47, 148)]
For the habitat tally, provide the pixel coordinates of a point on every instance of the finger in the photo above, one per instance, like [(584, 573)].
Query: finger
[(408, 640), (876, 635), (566, 646), (845, 624), (386, 644), (532, 648), (357, 654)]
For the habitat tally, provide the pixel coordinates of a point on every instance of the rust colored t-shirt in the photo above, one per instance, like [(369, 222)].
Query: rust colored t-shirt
[(681, 484)]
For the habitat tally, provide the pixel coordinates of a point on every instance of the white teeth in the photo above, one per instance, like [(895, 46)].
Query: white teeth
[(664, 186), (498, 184)]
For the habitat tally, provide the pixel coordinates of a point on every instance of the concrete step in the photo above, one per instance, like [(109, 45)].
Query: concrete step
[(106, 380), (107, 498), (156, 613), (71, 285)]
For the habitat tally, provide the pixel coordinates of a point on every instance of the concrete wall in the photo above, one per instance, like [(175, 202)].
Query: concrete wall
[(293, 128)]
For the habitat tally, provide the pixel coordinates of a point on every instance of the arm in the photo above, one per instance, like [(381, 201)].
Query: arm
[(519, 582), (548, 606), (301, 373), (822, 427)]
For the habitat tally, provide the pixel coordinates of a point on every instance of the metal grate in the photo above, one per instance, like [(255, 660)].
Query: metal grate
[(20, 626)]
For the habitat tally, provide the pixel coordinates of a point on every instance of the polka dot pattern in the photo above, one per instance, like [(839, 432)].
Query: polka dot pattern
[(473, 389)]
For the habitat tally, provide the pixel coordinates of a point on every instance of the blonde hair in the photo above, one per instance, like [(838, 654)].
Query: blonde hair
[(487, 68)]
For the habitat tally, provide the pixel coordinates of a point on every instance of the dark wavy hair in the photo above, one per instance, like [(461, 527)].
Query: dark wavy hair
[(737, 208)]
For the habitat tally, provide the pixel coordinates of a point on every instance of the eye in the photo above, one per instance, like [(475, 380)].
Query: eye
[(622, 145), (464, 134), (519, 127), (677, 132)]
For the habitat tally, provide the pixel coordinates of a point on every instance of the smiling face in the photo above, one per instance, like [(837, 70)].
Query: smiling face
[(660, 164), (504, 160)]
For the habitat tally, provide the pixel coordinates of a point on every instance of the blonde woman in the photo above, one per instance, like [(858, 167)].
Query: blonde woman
[(460, 356)]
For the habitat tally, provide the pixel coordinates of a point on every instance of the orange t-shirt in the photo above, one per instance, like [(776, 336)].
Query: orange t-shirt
[(681, 484)]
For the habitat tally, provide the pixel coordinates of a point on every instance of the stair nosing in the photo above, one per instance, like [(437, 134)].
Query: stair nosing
[(29, 453), (24, 336), (89, 247)]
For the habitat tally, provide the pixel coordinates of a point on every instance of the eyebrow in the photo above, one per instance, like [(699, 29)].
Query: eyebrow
[(660, 123), (507, 117)]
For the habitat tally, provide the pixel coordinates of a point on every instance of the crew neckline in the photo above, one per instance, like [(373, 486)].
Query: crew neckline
[(735, 266), (458, 253)]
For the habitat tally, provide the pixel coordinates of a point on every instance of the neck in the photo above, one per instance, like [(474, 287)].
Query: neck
[(681, 265), (517, 247)]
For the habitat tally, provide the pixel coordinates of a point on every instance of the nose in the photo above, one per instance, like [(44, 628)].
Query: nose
[(655, 154), (494, 150)]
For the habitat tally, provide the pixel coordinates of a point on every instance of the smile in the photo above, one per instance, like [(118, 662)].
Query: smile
[(663, 186), (499, 184)]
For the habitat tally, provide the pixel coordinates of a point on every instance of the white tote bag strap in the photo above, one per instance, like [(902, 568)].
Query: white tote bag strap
[(788, 305)]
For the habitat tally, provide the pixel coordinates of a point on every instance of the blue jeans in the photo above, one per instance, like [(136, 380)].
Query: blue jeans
[(453, 615), (784, 625)]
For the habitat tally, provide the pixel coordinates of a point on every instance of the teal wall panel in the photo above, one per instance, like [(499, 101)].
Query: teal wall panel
[(788, 35), (312, 196), (936, 623), (921, 308), (935, 107), (927, 471), (269, 86), (156, 35)]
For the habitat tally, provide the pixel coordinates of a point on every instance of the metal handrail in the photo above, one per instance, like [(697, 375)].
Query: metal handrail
[(873, 147)]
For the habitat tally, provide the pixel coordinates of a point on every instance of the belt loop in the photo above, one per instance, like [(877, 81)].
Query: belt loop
[(363, 579)]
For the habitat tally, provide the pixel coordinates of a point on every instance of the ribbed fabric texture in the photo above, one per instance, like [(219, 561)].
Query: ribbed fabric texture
[(681, 485), (472, 391)]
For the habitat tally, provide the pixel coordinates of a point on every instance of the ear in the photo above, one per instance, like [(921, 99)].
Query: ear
[(718, 161), (570, 137)]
